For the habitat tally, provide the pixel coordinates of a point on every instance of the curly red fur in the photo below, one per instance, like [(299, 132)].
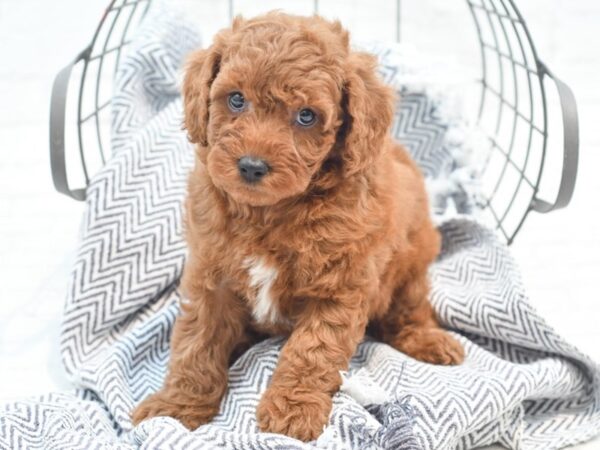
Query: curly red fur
[(335, 237)]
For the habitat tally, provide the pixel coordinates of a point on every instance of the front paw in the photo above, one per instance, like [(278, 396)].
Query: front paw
[(430, 345), (190, 414), (298, 414)]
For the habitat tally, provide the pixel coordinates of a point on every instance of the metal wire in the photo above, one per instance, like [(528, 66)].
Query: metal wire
[(503, 102), (398, 18), (115, 11), (502, 20), (532, 127), (509, 48), (98, 75)]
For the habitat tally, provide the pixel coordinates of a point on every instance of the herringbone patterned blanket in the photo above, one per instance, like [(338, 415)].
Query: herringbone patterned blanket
[(521, 385)]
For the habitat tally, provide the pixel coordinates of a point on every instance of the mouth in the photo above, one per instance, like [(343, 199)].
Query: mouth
[(247, 190), (250, 194)]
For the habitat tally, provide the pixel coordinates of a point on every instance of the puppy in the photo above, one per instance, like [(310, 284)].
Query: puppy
[(303, 219)]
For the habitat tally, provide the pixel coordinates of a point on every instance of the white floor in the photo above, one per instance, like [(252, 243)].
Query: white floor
[(559, 253)]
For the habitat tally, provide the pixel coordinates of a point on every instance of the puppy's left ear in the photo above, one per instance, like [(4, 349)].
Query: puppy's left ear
[(202, 68), (368, 109)]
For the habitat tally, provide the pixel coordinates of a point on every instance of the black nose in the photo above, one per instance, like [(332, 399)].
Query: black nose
[(252, 169)]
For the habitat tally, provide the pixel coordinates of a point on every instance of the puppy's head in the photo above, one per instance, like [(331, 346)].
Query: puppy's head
[(279, 102)]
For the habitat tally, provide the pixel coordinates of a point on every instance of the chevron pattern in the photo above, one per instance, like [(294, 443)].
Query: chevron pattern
[(521, 385)]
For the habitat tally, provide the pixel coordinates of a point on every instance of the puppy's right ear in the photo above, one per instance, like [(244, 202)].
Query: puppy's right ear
[(201, 70)]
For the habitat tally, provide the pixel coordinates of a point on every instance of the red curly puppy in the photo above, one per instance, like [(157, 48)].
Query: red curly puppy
[(304, 218)]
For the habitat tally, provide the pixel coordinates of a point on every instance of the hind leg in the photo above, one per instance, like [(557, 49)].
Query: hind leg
[(411, 326)]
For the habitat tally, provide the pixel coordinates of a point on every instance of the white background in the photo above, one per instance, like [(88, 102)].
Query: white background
[(559, 253)]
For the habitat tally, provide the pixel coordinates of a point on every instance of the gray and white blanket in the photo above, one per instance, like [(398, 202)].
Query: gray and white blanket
[(521, 385)]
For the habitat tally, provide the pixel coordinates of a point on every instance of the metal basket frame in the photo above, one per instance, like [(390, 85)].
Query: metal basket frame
[(503, 19)]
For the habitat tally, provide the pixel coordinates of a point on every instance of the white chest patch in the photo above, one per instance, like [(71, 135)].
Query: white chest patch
[(262, 278)]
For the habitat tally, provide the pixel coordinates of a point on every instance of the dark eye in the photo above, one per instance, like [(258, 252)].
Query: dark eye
[(236, 101), (306, 117)]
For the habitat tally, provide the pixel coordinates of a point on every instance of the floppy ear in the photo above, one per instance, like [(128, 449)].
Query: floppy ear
[(201, 70), (368, 109)]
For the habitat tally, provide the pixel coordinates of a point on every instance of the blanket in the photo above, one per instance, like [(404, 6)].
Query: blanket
[(521, 385)]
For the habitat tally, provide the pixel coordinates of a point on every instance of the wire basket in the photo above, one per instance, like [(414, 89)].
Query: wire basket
[(512, 109)]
